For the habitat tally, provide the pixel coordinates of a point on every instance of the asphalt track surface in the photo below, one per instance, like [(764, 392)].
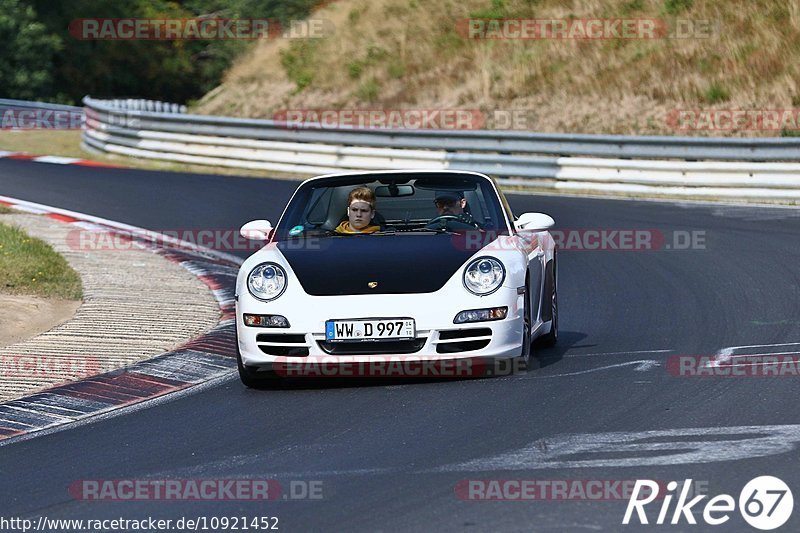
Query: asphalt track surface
[(389, 455)]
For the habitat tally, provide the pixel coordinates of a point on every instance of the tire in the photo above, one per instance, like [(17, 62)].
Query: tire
[(525, 358), (550, 338), (251, 377)]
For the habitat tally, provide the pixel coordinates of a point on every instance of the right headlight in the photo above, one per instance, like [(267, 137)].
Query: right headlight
[(266, 281), (484, 275)]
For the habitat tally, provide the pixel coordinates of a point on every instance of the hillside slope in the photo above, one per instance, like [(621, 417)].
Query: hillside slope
[(717, 54)]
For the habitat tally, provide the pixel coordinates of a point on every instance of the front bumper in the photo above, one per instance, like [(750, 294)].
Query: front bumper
[(437, 337)]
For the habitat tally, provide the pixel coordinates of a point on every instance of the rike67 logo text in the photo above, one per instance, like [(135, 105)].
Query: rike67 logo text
[(765, 503)]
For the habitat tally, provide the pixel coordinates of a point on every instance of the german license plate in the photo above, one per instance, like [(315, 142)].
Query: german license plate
[(370, 330)]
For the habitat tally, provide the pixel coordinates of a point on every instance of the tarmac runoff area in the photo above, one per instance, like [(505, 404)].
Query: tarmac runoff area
[(136, 305)]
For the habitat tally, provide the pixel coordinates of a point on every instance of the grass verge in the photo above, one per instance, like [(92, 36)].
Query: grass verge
[(30, 266)]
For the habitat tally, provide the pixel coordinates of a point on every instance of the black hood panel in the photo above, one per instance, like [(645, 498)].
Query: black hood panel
[(400, 264)]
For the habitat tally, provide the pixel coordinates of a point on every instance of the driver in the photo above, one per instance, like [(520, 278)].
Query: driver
[(453, 203)]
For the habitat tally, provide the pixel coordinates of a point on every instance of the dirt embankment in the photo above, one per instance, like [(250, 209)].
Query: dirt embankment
[(23, 317), (708, 57)]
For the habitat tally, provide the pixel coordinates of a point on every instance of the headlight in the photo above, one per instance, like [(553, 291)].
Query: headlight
[(484, 276), (480, 315), (267, 281)]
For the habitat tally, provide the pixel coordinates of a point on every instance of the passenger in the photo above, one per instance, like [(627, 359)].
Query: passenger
[(360, 211)]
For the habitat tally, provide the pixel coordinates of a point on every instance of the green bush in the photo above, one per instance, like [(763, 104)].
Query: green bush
[(676, 7), (354, 69), (298, 62), (396, 70), (716, 93), (632, 6), (368, 91), (497, 11)]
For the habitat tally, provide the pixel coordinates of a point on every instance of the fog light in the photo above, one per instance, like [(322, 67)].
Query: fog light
[(266, 321), (481, 315)]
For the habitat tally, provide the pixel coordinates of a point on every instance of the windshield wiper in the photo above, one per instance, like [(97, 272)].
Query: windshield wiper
[(431, 230)]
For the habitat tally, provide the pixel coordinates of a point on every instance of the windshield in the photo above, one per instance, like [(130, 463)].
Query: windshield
[(429, 203)]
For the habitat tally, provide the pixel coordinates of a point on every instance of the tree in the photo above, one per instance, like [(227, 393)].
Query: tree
[(28, 49), (41, 60)]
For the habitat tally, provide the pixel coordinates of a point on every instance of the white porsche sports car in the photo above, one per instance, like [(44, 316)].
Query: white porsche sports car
[(421, 266)]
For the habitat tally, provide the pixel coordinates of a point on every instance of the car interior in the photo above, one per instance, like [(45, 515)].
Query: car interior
[(404, 208)]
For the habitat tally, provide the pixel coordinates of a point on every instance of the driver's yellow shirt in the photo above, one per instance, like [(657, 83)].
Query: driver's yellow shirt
[(344, 227)]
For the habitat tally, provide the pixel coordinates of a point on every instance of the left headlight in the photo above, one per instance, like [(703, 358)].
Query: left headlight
[(267, 281), (484, 275)]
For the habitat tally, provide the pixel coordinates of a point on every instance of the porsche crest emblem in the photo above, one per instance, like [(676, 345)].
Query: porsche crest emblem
[(372, 284)]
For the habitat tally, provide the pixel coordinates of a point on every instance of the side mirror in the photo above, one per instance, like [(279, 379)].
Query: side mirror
[(534, 222), (257, 230)]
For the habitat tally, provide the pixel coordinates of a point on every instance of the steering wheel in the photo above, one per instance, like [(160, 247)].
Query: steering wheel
[(442, 220), (450, 222)]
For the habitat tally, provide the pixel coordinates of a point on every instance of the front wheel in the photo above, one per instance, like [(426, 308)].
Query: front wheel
[(525, 358), (550, 338), (251, 377)]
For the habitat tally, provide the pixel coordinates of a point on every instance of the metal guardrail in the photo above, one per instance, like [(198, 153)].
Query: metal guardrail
[(22, 114), (681, 166), (7, 103)]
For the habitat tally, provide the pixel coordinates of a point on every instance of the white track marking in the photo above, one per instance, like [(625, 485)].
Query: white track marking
[(58, 160), (644, 448), (642, 365), (734, 356), (763, 345), (29, 209), (740, 365), (728, 353), (616, 353)]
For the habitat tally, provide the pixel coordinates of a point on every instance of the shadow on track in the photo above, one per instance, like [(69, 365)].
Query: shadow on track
[(543, 357)]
